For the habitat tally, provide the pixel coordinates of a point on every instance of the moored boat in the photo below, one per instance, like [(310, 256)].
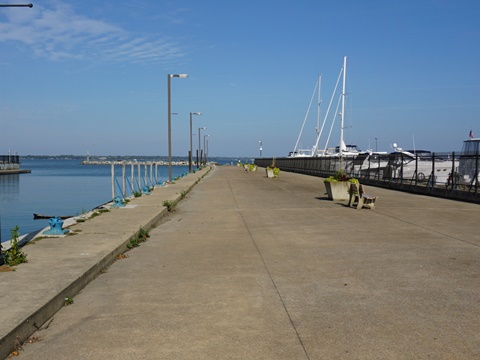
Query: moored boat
[(469, 162), (420, 165), (343, 150)]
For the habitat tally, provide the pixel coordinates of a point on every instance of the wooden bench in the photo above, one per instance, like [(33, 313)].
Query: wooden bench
[(359, 198)]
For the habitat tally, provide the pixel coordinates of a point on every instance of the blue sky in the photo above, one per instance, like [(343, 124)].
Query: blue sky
[(80, 76)]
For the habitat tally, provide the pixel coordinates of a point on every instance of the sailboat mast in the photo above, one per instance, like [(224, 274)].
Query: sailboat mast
[(305, 119), (319, 102), (342, 144)]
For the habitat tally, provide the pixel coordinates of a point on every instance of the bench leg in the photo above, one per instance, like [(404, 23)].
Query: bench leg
[(369, 203), (351, 200), (360, 203)]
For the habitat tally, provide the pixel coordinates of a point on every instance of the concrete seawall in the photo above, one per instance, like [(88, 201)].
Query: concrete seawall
[(248, 267), (60, 267)]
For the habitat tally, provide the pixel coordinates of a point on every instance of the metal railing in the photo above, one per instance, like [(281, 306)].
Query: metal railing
[(9, 159), (441, 174)]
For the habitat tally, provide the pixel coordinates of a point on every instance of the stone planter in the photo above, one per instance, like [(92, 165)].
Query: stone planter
[(337, 190), (269, 173)]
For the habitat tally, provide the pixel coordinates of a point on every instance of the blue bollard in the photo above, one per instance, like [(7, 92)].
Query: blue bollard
[(145, 190), (118, 202), (56, 227)]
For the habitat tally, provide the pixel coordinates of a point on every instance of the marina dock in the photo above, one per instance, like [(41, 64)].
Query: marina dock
[(10, 164), (248, 267), (15, 171)]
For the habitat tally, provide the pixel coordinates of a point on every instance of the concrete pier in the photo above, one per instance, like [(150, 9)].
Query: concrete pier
[(15, 171), (248, 267)]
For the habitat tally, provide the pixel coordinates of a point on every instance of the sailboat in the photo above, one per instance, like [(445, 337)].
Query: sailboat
[(342, 150), (297, 152)]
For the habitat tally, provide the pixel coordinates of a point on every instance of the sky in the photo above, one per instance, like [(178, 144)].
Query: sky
[(91, 76)]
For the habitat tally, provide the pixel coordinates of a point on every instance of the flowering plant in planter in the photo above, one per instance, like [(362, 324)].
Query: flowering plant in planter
[(272, 170), (340, 176), (338, 185)]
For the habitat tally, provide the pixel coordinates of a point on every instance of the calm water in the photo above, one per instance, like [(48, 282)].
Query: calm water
[(58, 188)]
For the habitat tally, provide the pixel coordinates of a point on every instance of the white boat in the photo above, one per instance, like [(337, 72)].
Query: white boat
[(469, 163), (370, 164), (300, 153), (407, 165), (420, 165), (342, 150)]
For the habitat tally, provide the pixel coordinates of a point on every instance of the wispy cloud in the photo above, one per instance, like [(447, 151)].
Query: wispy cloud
[(56, 32)]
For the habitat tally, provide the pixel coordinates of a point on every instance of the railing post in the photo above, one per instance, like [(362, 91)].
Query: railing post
[(476, 172), (124, 180), (112, 170), (416, 169), (433, 170), (453, 177), (401, 169), (139, 178)]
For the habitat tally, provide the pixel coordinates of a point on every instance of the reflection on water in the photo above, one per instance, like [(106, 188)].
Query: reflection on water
[(9, 187)]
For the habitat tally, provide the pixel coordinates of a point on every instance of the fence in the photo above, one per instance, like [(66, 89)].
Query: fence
[(9, 159), (440, 174)]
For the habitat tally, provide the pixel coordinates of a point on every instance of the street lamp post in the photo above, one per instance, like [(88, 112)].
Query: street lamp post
[(191, 148), (182, 76), (199, 157), (375, 144), (205, 148), (260, 142)]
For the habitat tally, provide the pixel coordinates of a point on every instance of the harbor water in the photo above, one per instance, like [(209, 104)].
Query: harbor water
[(58, 188)]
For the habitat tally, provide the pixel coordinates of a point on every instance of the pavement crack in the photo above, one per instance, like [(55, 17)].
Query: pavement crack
[(269, 274), (429, 229)]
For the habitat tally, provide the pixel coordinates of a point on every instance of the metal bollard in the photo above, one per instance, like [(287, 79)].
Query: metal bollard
[(56, 227)]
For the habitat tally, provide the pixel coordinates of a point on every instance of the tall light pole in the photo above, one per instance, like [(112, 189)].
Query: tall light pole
[(205, 148), (260, 143), (199, 157), (182, 76), (191, 147), (375, 144)]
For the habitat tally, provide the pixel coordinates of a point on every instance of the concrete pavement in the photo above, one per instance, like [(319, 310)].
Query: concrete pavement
[(254, 268)]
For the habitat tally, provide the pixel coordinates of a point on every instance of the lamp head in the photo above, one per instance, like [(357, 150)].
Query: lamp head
[(182, 76), (196, 113)]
